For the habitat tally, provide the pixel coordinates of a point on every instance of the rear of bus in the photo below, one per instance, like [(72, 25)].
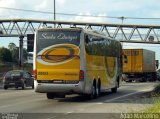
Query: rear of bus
[(57, 61)]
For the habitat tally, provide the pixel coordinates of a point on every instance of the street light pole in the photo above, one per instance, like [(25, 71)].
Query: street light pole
[(54, 2), (122, 18), (54, 5)]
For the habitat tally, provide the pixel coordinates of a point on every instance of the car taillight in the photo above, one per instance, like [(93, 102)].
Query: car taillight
[(35, 74), (81, 75), (21, 78)]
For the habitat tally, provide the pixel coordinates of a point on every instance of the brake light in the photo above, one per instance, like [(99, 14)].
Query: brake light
[(35, 74), (81, 75), (21, 78)]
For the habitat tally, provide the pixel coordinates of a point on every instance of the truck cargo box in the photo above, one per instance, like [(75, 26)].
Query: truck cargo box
[(139, 61)]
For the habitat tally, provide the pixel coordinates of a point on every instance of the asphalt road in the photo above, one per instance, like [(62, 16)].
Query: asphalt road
[(27, 104)]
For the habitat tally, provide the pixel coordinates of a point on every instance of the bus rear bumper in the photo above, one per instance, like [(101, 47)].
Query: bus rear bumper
[(59, 88)]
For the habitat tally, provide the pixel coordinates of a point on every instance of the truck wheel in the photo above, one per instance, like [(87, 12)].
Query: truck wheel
[(50, 95)]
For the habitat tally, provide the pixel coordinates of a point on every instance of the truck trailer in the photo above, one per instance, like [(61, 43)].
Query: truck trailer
[(140, 66)]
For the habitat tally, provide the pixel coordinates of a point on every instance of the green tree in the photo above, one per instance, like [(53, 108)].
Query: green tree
[(5, 55), (12, 46), (14, 51), (25, 53), (15, 54)]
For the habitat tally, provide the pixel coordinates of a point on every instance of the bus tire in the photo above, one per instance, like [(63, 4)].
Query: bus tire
[(114, 90), (98, 88), (50, 95), (93, 92)]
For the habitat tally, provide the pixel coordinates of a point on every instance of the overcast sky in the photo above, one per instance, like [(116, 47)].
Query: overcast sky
[(115, 8)]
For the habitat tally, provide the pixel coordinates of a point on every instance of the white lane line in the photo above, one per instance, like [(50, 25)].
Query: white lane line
[(15, 92), (69, 112), (99, 103), (15, 104), (51, 117), (113, 99)]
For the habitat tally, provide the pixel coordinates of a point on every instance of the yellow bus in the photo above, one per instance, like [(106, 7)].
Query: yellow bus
[(75, 60)]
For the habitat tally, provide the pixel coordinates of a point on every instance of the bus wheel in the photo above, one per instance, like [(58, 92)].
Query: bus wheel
[(93, 92), (114, 90), (50, 95), (98, 88)]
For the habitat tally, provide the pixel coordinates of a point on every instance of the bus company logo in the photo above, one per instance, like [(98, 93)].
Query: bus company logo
[(111, 66), (58, 54)]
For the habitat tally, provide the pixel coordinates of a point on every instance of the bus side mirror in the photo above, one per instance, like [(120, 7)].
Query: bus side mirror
[(86, 39), (125, 59)]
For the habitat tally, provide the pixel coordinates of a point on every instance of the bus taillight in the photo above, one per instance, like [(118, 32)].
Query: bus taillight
[(35, 74), (81, 75)]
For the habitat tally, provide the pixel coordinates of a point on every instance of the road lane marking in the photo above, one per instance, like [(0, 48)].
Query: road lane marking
[(99, 103), (113, 99), (51, 117), (69, 112), (15, 104), (15, 92)]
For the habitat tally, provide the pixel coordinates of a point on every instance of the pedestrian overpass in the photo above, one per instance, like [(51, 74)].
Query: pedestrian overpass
[(130, 33)]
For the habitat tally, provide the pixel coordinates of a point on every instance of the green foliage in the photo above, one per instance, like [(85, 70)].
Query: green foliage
[(14, 51), (11, 54), (5, 55), (156, 95), (155, 108), (25, 54), (12, 46)]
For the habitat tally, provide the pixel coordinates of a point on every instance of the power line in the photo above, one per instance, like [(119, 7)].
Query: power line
[(68, 14), (43, 12)]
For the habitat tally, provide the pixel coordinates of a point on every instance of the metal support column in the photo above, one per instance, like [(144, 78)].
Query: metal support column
[(21, 51)]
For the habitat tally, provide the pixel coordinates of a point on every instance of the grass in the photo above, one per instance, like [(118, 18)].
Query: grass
[(156, 95), (155, 108)]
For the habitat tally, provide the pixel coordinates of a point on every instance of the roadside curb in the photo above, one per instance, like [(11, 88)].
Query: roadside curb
[(129, 95)]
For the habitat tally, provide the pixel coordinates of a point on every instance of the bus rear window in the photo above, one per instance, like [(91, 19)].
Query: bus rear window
[(49, 38)]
